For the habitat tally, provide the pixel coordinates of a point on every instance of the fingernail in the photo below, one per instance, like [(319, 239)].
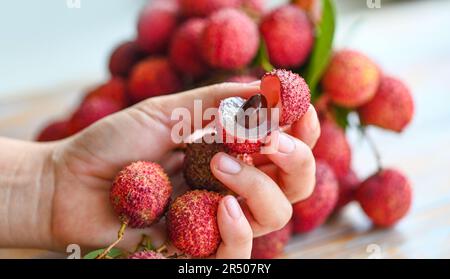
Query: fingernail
[(228, 165), (256, 82), (233, 207), (286, 144), (314, 121)]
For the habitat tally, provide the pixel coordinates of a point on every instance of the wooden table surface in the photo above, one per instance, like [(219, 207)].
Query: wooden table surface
[(409, 40)]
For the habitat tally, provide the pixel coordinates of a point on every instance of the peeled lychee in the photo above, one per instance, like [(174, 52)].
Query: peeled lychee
[(288, 35), (271, 245), (152, 77), (54, 131), (313, 212), (385, 197), (90, 111), (156, 25), (230, 39), (140, 194), (113, 90), (192, 223), (333, 148), (147, 255), (392, 107), (205, 7), (185, 52), (124, 57), (347, 188), (351, 79)]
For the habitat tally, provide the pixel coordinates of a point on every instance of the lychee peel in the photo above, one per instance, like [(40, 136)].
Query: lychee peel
[(123, 59), (147, 255), (271, 245), (347, 188), (192, 223), (140, 194), (113, 90), (385, 197), (205, 7), (54, 131)]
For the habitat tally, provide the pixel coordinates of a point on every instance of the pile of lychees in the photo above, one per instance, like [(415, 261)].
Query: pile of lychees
[(183, 44)]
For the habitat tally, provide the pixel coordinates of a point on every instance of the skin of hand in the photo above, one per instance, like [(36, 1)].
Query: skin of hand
[(55, 194)]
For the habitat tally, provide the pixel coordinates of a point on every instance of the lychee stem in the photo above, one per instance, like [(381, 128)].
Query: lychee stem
[(373, 147), (120, 235)]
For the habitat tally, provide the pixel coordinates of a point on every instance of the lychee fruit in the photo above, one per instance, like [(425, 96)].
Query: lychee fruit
[(91, 111), (333, 147), (392, 107), (54, 131), (230, 39), (156, 25), (152, 77), (140, 194), (242, 79), (192, 223), (147, 255), (123, 59), (205, 7), (313, 212), (351, 79), (113, 90), (288, 35), (271, 245), (347, 188), (385, 197), (185, 53)]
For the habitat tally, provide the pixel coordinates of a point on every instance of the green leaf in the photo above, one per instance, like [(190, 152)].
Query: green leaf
[(114, 253), (262, 58), (341, 116), (323, 47)]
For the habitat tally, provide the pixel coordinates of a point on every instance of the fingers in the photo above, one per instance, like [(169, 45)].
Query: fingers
[(235, 230), (260, 192), (172, 162), (307, 129)]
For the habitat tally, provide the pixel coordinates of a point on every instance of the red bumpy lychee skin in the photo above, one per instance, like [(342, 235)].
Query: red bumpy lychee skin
[(156, 25), (230, 39), (192, 223), (287, 91), (152, 77), (123, 59), (113, 90), (347, 188), (288, 35), (351, 79), (54, 131), (205, 7), (147, 255), (392, 107), (91, 111), (385, 197), (333, 148), (271, 245), (185, 53), (313, 212), (140, 194)]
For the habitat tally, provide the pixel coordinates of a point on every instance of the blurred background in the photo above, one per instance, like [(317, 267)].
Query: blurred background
[(51, 52)]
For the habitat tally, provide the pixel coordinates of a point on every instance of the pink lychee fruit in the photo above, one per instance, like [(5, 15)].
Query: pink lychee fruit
[(205, 7), (140, 194), (385, 197), (288, 35), (147, 255), (113, 90), (192, 223), (123, 59), (351, 79), (313, 212), (54, 131), (271, 245), (230, 39), (347, 188), (392, 107)]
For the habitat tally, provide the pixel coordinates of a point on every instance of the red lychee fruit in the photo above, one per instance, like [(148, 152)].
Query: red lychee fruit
[(123, 59), (333, 148), (185, 52), (113, 90), (347, 188), (385, 197), (392, 107), (205, 7), (288, 35), (271, 245), (147, 255), (192, 223), (156, 25), (313, 212), (54, 131), (152, 77), (91, 111), (253, 7), (242, 79), (140, 194), (288, 92), (230, 39), (351, 79)]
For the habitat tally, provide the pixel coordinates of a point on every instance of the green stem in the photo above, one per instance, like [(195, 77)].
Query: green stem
[(120, 235)]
